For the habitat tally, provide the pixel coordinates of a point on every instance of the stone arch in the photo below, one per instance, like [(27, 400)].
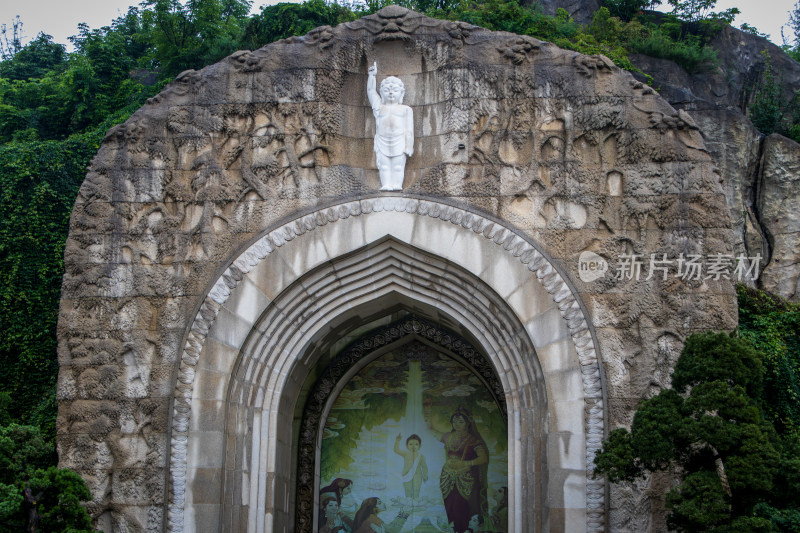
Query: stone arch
[(297, 279)]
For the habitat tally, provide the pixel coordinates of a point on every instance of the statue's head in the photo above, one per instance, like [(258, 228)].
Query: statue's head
[(392, 90)]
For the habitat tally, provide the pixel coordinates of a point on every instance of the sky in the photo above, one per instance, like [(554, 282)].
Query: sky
[(60, 18)]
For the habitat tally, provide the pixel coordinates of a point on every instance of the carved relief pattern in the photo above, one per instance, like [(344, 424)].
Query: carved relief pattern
[(563, 146)]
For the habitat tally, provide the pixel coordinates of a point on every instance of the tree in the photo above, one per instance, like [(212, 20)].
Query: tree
[(792, 45), (286, 19), (10, 45), (627, 9), (34, 59), (193, 34), (710, 430), (697, 10), (34, 495), (794, 24)]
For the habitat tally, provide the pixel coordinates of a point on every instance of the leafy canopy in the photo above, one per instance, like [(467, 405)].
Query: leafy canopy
[(30, 487), (713, 430)]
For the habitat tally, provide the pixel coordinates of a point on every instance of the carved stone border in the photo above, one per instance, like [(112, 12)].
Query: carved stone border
[(510, 241), (342, 363)]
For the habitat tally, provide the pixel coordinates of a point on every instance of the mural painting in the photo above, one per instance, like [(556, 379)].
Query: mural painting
[(415, 442)]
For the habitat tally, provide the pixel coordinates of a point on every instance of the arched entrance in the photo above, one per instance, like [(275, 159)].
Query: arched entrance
[(406, 380), (259, 340)]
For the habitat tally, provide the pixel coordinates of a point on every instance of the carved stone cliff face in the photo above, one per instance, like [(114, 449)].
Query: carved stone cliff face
[(718, 99), (567, 150)]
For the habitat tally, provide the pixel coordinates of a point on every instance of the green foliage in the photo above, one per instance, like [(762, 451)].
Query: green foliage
[(688, 52), (770, 112), (627, 9), (772, 326), (379, 409), (698, 10), (717, 358), (23, 449), (288, 19), (712, 428), (38, 184), (780, 519), (26, 460), (193, 34), (698, 504), (618, 460), (60, 507), (794, 24), (34, 60), (748, 28), (606, 34)]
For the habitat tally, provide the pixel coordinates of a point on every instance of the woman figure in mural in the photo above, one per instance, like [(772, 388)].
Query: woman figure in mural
[(463, 481), (500, 511), (330, 516), (415, 469), (367, 520), (342, 488)]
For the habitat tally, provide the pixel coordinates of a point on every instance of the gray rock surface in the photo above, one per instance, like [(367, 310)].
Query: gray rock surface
[(732, 82), (778, 203), (718, 100)]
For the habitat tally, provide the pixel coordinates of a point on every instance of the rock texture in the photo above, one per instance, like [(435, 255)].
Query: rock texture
[(568, 150), (778, 202), (718, 100), (580, 10)]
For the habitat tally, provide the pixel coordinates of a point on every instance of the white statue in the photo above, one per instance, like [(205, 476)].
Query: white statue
[(394, 129)]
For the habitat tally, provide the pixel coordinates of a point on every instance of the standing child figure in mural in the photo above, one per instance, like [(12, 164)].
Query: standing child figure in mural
[(394, 129), (464, 478), (415, 469)]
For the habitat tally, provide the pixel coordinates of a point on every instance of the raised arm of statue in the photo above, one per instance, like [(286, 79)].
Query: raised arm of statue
[(372, 91)]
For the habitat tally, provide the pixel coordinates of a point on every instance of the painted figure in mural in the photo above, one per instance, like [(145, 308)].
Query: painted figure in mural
[(500, 511), (394, 129), (415, 468), (463, 481), (330, 518), (474, 525), (367, 520), (343, 489)]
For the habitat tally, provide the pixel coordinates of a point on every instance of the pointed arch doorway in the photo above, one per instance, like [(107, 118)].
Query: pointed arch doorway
[(268, 326), (410, 426)]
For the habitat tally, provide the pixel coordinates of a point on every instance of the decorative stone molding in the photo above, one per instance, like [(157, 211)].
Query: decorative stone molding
[(504, 237)]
